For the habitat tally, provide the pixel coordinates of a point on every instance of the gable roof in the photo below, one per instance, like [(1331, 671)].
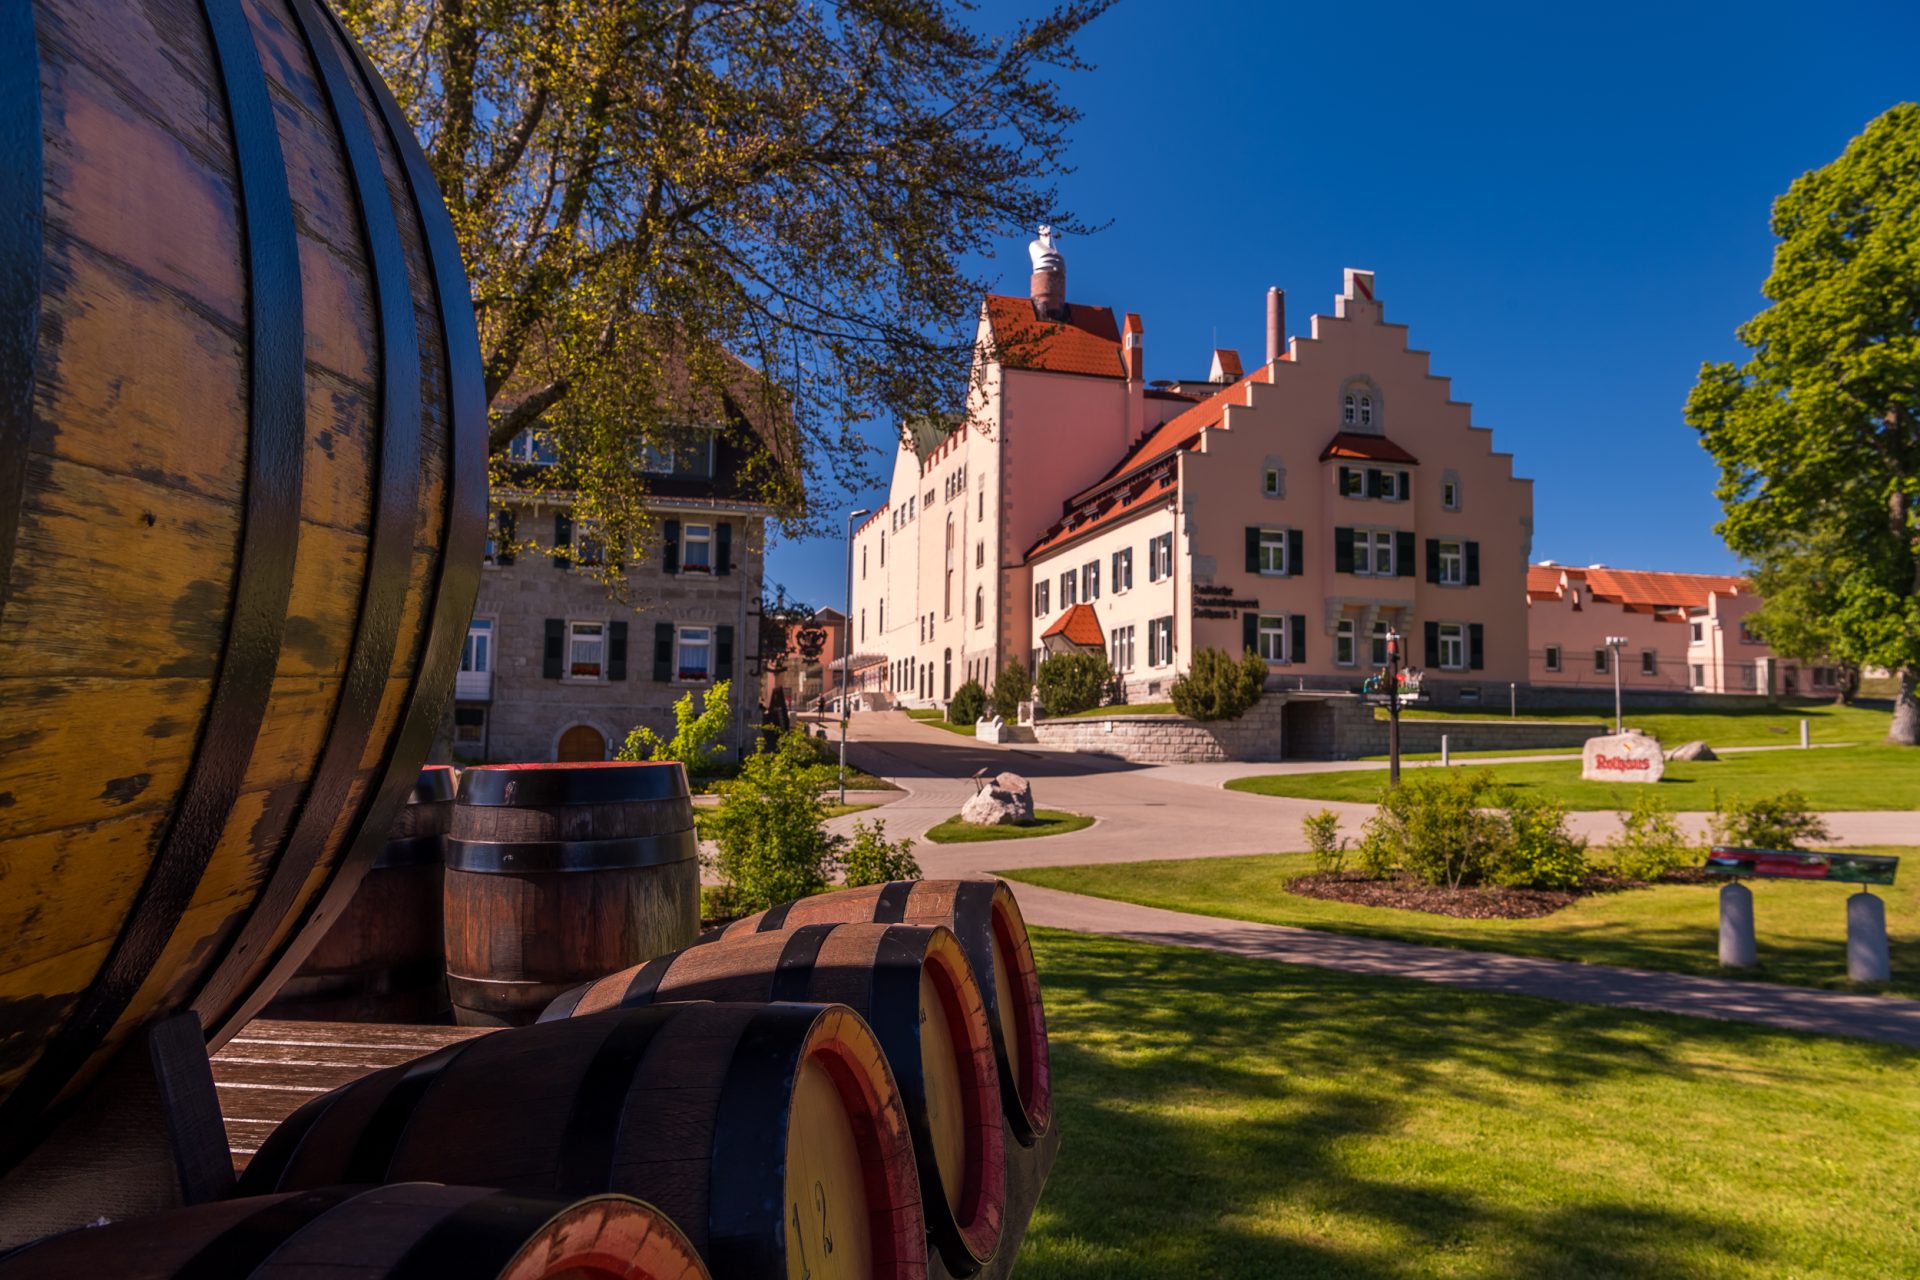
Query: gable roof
[(1087, 342), (1639, 590), (1352, 444), (1111, 509), (1180, 430), (1078, 625)]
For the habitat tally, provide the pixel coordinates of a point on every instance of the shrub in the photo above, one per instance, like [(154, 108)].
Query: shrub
[(768, 827), (1329, 847), (1073, 682), (967, 704), (1435, 827), (1215, 687), (693, 734), (1011, 688), (1649, 843), (1772, 822), (871, 858), (1540, 852)]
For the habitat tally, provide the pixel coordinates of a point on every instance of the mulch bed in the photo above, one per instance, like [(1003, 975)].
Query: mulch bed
[(1481, 902)]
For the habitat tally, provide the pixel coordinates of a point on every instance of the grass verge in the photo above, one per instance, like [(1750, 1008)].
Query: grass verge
[(1243, 1120), (1046, 822), (938, 719), (1759, 726), (1120, 709)]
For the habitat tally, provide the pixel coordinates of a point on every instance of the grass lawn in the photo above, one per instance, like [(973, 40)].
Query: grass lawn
[(1837, 779), (1046, 822), (1237, 1119), (1120, 709), (938, 718), (1760, 726), (1800, 927)]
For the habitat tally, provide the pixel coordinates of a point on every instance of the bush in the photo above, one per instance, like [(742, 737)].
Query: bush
[(1329, 847), (873, 859), (768, 827), (1011, 688), (1650, 843), (1540, 852), (693, 734), (1074, 682), (1435, 827), (1215, 687), (1774, 822), (967, 704)]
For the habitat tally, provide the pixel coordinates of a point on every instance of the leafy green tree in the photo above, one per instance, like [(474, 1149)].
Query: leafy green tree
[(968, 704), (771, 844), (1071, 682), (871, 858), (693, 736), (1011, 687), (1818, 433), (667, 207), (1216, 687)]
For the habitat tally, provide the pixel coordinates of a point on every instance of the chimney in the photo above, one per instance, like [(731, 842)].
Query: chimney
[(1049, 277), (1276, 323), (1133, 351)]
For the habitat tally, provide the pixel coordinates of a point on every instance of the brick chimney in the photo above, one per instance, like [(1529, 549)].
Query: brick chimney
[(1276, 323), (1133, 349), (1049, 286)]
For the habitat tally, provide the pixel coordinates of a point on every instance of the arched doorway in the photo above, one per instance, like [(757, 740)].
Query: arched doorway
[(581, 742)]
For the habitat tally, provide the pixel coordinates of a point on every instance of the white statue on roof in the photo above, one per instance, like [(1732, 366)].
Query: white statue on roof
[(1045, 253)]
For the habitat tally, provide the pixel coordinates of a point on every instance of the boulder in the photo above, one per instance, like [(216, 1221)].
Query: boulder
[(1014, 784), (1623, 757), (997, 806), (1695, 750)]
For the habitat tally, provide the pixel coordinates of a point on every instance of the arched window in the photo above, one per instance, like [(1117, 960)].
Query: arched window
[(1366, 411), (1347, 412), (979, 606)]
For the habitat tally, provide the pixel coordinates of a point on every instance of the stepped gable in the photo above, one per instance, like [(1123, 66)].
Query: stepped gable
[(1087, 342)]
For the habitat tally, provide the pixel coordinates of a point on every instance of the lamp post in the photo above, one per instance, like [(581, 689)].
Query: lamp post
[(846, 650), (1393, 708), (1616, 644)]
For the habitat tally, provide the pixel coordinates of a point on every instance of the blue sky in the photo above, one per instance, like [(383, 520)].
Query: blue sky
[(1567, 204)]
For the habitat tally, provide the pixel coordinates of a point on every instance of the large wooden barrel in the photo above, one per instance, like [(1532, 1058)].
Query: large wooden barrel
[(986, 919), (772, 1134), (384, 960), (916, 990), (242, 497), (409, 1231), (559, 873)]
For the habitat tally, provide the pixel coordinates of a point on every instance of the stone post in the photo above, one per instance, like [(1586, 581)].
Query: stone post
[(1867, 939), (1803, 735), (1736, 926), (1446, 756)]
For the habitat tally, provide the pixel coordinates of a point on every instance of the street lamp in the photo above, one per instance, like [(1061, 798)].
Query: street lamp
[(846, 650), (1616, 643)]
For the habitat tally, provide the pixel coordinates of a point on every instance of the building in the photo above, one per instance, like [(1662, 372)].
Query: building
[(563, 659), (1305, 509), (1684, 633)]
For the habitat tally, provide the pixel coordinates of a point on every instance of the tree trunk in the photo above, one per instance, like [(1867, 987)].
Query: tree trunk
[(1905, 729)]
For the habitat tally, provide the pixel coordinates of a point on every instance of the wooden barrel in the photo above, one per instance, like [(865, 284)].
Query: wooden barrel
[(383, 960), (916, 990), (408, 1231), (986, 919), (772, 1134), (242, 499), (559, 873)]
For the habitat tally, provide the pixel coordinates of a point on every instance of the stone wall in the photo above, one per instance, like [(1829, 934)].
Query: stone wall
[(1172, 739)]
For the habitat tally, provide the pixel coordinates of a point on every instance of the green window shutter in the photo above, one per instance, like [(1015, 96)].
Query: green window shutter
[(1473, 564), (723, 653), (556, 648), (1253, 549), (1296, 559), (1476, 646), (503, 534), (723, 547), (562, 539), (1250, 631), (617, 650), (1403, 553), (1297, 642), (1433, 559), (1373, 482), (662, 652), (1343, 551), (1433, 644), (1340, 474), (670, 546)]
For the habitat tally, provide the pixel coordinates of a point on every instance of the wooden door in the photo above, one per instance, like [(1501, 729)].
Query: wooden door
[(582, 742)]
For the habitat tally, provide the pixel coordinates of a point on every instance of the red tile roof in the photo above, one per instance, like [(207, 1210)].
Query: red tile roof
[(1639, 590), (1351, 444), (1180, 430), (1111, 508), (1080, 625), (1228, 362), (1087, 342)]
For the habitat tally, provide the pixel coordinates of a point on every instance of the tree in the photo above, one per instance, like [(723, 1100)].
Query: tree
[(693, 736), (1818, 434), (669, 209)]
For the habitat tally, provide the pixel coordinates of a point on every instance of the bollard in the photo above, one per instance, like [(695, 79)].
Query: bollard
[(1445, 759), (1803, 735), (1867, 939), (1736, 926)]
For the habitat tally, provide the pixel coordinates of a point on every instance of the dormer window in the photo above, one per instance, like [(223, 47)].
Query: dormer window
[(1348, 413), (1366, 411), (1361, 406)]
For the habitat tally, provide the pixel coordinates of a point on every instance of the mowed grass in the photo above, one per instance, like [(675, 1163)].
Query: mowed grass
[(1235, 1119), (1832, 779), (938, 719), (1760, 726), (1046, 822), (1119, 709), (1800, 927)]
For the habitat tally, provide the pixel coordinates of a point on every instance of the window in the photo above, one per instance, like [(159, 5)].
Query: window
[(1453, 646), (1699, 632), (1553, 657), (1040, 593), (928, 501), (1273, 551), (1450, 493), (1393, 486), (1600, 661), (983, 505), (586, 649), (696, 548), (1120, 649), (588, 548), (1270, 482), (694, 657), (1343, 643), (1160, 642), (1648, 664), (1068, 581), (1366, 411), (533, 447), (1090, 581), (863, 564), (883, 548), (980, 554), (470, 726), (1699, 676), (1273, 637), (1160, 558), (1348, 412), (500, 537), (1453, 565), (863, 626), (1747, 634), (476, 655), (1353, 482), (1373, 552), (883, 617), (1123, 570), (979, 606), (1379, 644)]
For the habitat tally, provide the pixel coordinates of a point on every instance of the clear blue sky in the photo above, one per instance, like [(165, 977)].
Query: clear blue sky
[(1567, 204)]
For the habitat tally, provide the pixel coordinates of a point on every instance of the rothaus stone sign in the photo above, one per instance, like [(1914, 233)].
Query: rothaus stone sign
[(1623, 757)]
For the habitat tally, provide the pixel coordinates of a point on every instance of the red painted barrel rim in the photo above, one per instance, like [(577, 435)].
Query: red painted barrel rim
[(435, 785), (898, 1222), (549, 1255), (983, 1195), (1033, 1077), (594, 782)]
